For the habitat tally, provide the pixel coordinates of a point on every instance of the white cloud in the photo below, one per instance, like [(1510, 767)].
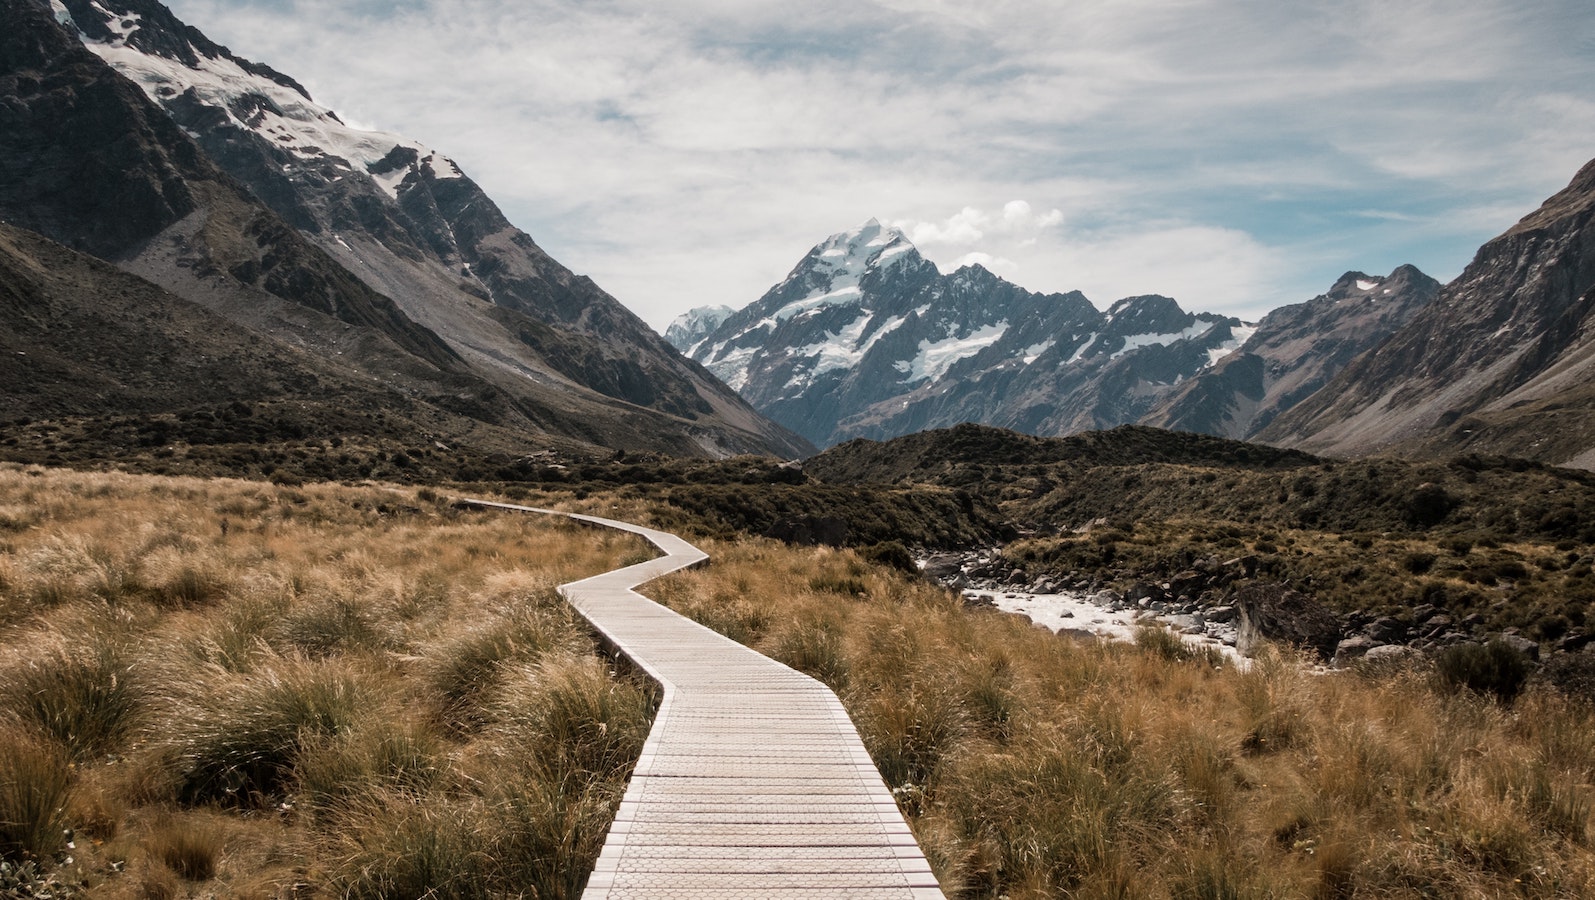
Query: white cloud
[(1220, 151)]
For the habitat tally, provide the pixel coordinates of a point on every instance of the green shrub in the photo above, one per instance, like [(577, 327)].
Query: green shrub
[(1494, 669), (1418, 562), (891, 554)]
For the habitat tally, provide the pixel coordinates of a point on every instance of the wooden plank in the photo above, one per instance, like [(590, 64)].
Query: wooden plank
[(753, 781)]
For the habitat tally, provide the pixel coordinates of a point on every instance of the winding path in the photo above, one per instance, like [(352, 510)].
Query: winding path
[(753, 782)]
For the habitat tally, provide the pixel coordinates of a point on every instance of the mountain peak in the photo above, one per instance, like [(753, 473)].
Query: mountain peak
[(866, 246)]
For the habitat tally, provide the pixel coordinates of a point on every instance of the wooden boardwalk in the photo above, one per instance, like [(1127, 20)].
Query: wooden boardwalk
[(753, 782)]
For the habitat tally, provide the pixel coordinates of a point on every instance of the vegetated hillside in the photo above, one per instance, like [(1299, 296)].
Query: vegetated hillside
[(234, 689), (1133, 473), (1502, 362), (961, 455), (1496, 543), (89, 160)]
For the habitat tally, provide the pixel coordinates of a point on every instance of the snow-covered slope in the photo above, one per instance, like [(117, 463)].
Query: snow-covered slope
[(694, 325), (866, 338)]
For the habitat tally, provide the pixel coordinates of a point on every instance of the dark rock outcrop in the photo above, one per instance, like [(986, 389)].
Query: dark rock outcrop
[(1273, 612)]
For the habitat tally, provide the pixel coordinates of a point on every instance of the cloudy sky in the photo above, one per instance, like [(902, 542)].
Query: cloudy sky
[(1233, 154)]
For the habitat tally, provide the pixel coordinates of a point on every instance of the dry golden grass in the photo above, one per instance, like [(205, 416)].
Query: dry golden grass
[(227, 688), (1032, 766)]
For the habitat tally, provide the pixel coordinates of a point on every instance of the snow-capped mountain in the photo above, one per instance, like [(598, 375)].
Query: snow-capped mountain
[(381, 210), (866, 338), (694, 325)]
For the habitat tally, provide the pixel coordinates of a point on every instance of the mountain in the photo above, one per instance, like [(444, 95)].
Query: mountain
[(1295, 350), (238, 192), (1501, 362), (866, 338), (694, 325)]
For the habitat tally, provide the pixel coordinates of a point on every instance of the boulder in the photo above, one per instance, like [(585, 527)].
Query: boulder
[(1386, 630), (944, 566), (1522, 645), (1143, 590), (1270, 611), (1352, 649), (1391, 655), (1221, 614), (1107, 599)]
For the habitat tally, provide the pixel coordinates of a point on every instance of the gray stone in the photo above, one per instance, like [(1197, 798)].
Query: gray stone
[(1352, 649), (1522, 645), (1221, 614), (1386, 630), (1391, 655)]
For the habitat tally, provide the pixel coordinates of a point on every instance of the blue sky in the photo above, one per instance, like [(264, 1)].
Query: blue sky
[(1236, 155)]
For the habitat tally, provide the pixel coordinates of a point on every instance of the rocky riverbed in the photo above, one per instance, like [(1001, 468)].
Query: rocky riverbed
[(1221, 603)]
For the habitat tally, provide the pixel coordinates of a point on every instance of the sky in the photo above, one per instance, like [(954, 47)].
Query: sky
[(1236, 155)]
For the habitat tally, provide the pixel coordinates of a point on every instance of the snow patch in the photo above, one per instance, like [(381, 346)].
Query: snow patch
[(935, 358), (1080, 353), (1035, 350), (1137, 341), (1363, 285), (1242, 334)]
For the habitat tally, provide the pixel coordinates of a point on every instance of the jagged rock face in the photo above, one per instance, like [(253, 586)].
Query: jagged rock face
[(1294, 351), (866, 338), (370, 228), (1503, 360)]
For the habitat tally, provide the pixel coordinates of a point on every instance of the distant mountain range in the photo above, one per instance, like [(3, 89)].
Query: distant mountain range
[(129, 136), (866, 338)]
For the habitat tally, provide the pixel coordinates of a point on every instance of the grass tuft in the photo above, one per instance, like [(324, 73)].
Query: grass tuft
[(35, 786), (89, 700), (238, 741)]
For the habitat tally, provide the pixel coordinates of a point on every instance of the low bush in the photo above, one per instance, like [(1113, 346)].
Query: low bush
[(1495, 669)]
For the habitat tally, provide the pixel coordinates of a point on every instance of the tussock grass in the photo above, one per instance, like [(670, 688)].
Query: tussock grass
[(1032, 766), (35, 785), (88, 698), (236, 689)]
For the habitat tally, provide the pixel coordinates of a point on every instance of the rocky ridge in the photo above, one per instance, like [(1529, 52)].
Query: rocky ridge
[(238, 182), (1501, 362), (867, 338)]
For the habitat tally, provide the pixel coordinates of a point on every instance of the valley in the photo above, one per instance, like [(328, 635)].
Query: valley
[(1316, 584)]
